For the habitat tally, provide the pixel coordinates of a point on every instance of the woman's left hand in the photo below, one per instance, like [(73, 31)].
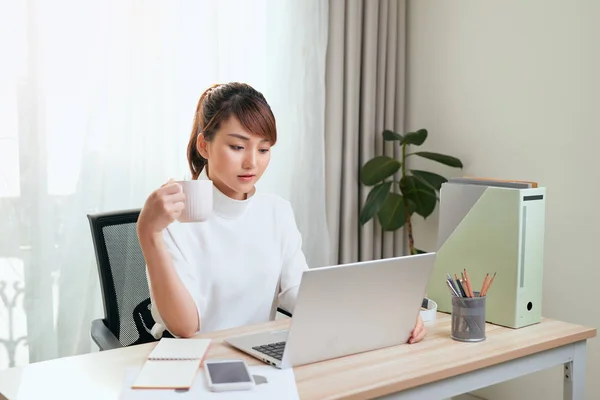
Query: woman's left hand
[(419, 332)]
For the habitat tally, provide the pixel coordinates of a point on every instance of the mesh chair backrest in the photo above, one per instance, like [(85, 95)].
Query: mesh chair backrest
[(122, 270)]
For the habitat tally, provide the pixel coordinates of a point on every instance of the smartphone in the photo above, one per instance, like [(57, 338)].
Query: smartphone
[(224, 375)]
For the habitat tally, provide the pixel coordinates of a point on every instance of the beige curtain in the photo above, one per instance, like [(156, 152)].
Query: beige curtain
[(365, 89)]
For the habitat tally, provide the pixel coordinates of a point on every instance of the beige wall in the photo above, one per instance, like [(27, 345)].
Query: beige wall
[(513, 88)]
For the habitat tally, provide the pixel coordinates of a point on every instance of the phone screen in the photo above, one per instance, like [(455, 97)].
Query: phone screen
[(228, 372)]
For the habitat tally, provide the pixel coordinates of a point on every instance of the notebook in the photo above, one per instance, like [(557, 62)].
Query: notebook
[(172, 364)]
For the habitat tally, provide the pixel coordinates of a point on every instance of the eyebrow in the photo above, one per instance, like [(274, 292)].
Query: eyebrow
[(242, 137)]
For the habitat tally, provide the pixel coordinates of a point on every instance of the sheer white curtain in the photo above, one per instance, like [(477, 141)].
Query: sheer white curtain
[(96, 104)]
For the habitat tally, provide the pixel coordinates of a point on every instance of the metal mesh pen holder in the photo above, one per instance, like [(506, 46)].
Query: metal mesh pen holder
[(468, 319)]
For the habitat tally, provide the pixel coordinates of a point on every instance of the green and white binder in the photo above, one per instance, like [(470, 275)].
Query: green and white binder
[(487, 227)]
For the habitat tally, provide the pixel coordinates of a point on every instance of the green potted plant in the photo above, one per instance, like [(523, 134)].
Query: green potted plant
[(395, 201)]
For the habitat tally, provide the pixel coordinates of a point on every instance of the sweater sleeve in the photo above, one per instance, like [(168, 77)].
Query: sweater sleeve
[(294, 261), (189, 277)]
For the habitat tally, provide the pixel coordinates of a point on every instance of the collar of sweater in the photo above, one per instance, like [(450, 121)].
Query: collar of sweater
[(224, 205)]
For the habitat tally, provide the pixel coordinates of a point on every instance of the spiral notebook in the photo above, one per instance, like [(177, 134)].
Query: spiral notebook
[(173, 364)]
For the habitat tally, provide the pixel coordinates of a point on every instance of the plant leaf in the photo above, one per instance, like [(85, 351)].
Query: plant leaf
[(422, 195), (374, 201), (390, 135), (392, 215), (419, 251), (377, 169), (417, 138), (429, 178), (441, 158)]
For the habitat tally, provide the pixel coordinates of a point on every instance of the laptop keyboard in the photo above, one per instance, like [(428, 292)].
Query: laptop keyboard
[(274, 350)]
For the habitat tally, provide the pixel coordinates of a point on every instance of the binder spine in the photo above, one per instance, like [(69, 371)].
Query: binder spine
[(531, 254)]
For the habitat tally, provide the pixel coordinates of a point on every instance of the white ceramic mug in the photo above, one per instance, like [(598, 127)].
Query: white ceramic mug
[(198, 200)]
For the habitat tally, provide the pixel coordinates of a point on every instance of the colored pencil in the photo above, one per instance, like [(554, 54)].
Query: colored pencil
[(484, 284), (489, 284)]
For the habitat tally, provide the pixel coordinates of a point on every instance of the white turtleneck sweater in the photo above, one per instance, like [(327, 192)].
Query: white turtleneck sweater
[(240, 264)]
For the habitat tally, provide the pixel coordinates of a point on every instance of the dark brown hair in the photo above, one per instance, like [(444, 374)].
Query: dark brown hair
[(217, 104)]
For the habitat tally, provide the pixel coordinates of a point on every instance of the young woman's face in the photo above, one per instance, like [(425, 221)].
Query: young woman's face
[(236, 158)]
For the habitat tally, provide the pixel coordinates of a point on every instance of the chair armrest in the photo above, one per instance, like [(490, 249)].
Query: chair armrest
[(284, 312), (103, 337)]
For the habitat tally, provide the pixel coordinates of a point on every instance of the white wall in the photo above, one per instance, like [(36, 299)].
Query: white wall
[(513, 89)]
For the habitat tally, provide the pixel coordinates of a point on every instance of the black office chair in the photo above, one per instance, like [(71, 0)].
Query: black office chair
[(122, 272), (123, 281)]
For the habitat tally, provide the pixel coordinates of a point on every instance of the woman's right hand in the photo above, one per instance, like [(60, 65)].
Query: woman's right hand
[(162, 207)]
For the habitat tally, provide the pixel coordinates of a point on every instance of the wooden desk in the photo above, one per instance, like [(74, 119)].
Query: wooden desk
[(436, 368)]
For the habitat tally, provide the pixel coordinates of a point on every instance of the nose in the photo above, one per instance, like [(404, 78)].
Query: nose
[(249, 160)]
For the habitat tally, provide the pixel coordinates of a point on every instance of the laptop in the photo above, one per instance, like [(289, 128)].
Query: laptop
[(346, 309)]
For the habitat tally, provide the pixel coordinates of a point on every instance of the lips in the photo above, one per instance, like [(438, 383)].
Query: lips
[(246, 178)]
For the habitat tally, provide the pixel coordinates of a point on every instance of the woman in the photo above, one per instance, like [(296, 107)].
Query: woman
[(236, 267)]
